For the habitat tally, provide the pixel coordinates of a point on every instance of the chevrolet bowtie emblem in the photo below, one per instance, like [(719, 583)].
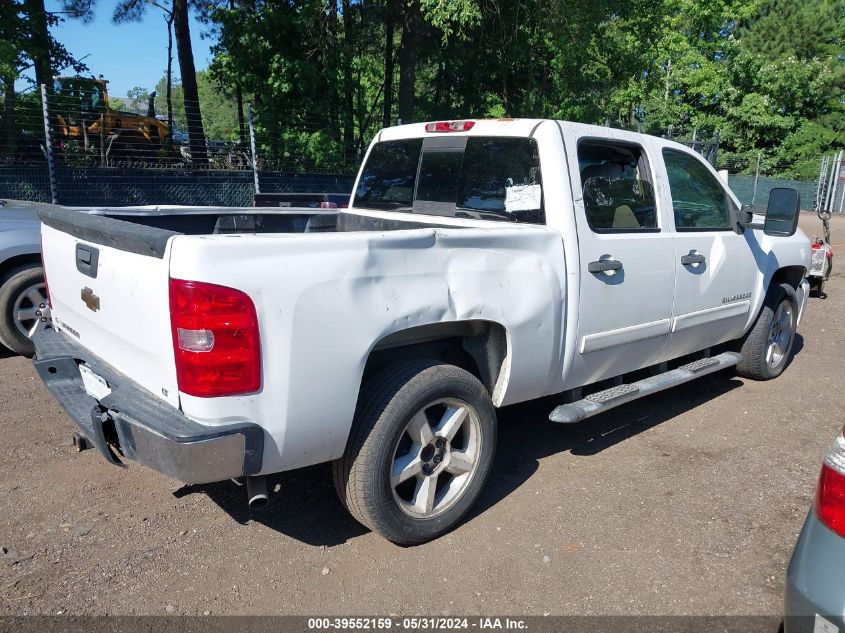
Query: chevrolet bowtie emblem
[(90, 299)]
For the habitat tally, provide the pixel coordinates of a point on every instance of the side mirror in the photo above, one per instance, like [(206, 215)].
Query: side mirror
[(782, 212)]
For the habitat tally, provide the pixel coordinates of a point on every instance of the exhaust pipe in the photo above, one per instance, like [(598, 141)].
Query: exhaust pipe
[(256, 492)]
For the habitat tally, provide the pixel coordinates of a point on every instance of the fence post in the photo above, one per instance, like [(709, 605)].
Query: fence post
[(828, 201), (252, 149), (834, 181), (838, 170), (48, 145), (820, 185), (756, 178)]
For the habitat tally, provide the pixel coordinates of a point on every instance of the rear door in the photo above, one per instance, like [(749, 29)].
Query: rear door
[(716, 268), (626, 258), (109, 292)]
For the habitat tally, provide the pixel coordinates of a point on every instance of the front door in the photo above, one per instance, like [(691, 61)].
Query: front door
[(716, 269), (626, 259)]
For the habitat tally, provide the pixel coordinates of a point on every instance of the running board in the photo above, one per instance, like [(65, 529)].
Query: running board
[(609, 398)]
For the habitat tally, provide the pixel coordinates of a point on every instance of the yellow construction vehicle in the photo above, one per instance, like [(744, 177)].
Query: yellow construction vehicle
[(80, 112)]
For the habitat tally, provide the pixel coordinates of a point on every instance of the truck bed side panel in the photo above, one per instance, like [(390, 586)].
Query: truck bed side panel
[(325, 300)]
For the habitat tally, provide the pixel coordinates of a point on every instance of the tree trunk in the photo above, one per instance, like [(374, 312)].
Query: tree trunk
[(169, 19), (408, 61), (389, 33), (39, 49), (7, 127), (505, 101), (239, 100), (330, 68), (196, 134), (348, 104), (7, 131)]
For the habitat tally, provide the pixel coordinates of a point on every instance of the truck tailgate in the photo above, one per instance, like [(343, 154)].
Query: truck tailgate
[(108, 282)]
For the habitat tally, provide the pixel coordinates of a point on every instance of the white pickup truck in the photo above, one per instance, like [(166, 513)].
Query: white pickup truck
[(479, 264)]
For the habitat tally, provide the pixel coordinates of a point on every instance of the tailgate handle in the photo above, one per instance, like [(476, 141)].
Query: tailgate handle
[(87, 258)]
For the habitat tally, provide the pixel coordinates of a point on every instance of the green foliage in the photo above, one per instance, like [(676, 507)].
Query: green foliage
[(116, 103), (23, 44), (767, 76), (219, 110), (137, 99)]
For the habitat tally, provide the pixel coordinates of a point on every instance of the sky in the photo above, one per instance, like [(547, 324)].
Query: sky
[(128, 55)]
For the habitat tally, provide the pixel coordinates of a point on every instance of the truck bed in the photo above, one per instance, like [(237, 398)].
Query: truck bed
[(146, 230), (328, 289)]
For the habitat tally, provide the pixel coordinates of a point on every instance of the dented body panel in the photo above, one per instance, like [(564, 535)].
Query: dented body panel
[(335, 296)]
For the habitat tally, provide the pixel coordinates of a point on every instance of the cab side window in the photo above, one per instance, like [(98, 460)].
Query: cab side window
[(616, 186), (699, 201)]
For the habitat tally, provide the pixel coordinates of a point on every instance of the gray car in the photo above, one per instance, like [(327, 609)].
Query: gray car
[(815, 582), (23, 292)]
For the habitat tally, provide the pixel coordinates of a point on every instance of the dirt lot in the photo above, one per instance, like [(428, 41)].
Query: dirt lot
[(685, 503)]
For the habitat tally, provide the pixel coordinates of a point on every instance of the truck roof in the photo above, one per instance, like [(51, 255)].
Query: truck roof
[(481, 127), (513, 127)]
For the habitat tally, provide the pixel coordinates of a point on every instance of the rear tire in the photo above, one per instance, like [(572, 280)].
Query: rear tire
[(22, 290), (766, 349), (420, 450)]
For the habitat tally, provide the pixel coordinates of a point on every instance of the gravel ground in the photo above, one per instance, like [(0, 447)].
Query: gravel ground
[(687, 502)]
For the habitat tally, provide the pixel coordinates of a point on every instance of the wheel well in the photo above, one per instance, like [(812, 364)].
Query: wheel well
[(19, 260), (479, 347), (791, 275)]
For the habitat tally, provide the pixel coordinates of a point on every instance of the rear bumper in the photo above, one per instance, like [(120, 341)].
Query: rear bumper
[(814, 580), (132, 423)]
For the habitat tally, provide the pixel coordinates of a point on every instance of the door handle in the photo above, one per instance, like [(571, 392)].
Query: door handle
[(604, 265), (693, 258)]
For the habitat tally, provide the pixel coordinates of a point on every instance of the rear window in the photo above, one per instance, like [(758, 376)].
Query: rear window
[(390, 176), (491, 178)]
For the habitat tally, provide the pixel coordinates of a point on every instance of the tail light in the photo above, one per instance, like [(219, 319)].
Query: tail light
[(215, 339), (449, 126), (830, 496)]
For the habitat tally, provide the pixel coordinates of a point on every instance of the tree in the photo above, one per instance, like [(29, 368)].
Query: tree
[(220, 118), (138, 98), (134, 10), (803, 29), (188, 72), (26, 43), (323, 75)]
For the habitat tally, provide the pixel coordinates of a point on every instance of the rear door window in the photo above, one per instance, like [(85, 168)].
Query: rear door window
[(491, 178), (616, 186)]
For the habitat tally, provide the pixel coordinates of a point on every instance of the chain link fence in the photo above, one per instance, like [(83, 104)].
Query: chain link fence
[(752, 180), (68, 146)]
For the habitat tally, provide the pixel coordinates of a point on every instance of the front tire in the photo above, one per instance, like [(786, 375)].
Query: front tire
[(767, 347), (420, 450), (22, 293)]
